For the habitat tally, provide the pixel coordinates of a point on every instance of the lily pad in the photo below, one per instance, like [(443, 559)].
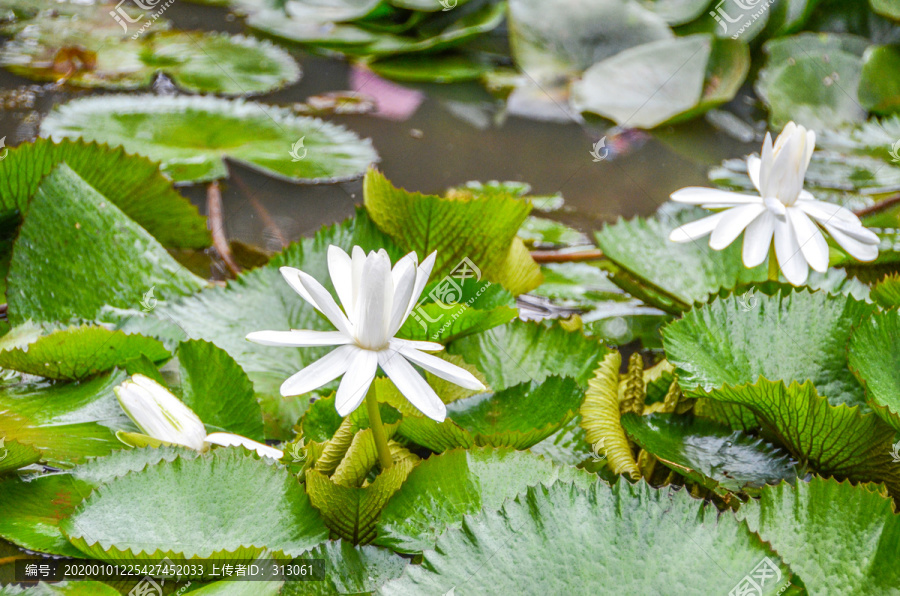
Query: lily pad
[(331, 10), (67, 217), (16, 455), (191, 136), (483, 231), (879, 85), (791, 336), (649, 93), (132, 182), (812, 79), (875, 360), (521, 352), (67, 422), (443, 68), (73, 353), (709, 453), (835, 440), (550, 535), (856, 523), (443, 489), (676, 12), (196, 61), (226, 503), (349, 570)]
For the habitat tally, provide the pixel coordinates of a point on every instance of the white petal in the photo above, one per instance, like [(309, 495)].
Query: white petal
[(790, 259), (810, 147), (733, 223), (442, 368), (711, 198), (427, 346), (782, 177), (812, 242), (423, 272), (340, 269), (292, 276), (356, 381), (775, 206), (758, 239), (324, 303), (232, 440), (690, 232), (299, 338), (766, 157), (862, 251), (412, 385), (753, 165), (320, 372), (403, 276), (159, 414), (374, 301), (358, 262), (826, 212)]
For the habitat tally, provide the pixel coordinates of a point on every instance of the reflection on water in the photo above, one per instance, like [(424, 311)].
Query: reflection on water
[(457, 133)]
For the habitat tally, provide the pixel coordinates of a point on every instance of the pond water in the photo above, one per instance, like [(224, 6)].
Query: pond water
[(457, 133)]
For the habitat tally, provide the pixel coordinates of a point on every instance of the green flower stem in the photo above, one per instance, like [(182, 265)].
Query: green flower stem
[(381, 444), (773, 265)]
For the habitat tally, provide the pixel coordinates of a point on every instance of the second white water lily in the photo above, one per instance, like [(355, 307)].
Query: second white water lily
[(782, 212), (376, 300), (165, 418)]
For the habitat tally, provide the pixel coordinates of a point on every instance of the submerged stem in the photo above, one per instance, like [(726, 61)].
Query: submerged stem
[(381, 444), (773, 265)]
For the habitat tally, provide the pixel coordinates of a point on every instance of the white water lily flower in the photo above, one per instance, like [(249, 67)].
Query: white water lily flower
[(162, 416), (376, 300), (782, 210)]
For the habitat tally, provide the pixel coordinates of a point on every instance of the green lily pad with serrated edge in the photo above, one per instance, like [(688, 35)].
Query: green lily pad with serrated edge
[(349, 569), (445, 488), (73, 353), (875, 360), (191, 136), (713, 455), (258, 508), (15, 455), (548, 536), (426, 68), (838, 537), (887, 291), (132, 182), (791, 336), (835, 440), (69, 218)]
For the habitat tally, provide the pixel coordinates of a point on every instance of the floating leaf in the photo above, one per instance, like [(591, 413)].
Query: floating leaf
[(671, 276), (352, 513), (676, 12), (838, 440), (132, 182), (67, 422), (791, 336), (480, 230), (879, 85), (69, 219), (427, 68), (227, 503), (713, 455), (886, 8), (217, 390), (875, 360), (445, 488), (15, 455), (857, 523), (887, 291), (196, 61), (190, 136), (812, 78), (551, 535), (521, 352), (66, 588), (73, 353)]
